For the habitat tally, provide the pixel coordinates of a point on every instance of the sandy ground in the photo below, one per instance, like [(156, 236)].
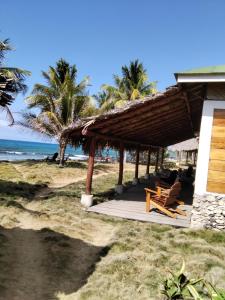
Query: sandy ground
[(43, 258)]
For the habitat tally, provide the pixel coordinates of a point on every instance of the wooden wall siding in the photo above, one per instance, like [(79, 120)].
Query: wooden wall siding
[(216, 171)]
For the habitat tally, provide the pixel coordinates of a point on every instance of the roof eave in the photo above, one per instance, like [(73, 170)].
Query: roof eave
[(195, 77)]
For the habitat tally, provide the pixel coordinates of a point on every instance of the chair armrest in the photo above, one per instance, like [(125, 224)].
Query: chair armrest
[(180, 202), (150, 191), (163, 188)]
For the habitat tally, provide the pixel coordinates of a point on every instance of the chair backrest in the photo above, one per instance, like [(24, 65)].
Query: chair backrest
[(54, 156), (173, 193)]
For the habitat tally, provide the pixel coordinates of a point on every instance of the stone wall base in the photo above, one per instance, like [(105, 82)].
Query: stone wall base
[(208, 212)]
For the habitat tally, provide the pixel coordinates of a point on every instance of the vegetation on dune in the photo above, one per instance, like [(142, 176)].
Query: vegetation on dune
[(61, 103), (11, 80), (132, 85)]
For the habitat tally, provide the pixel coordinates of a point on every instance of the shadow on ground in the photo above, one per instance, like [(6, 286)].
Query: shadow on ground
[(39, 264), (19, 189)]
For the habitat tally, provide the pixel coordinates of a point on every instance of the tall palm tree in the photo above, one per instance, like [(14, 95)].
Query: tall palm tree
[(61, 103), (11, 80), (132, 85)]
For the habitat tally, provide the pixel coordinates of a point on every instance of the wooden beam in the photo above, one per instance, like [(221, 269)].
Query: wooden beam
[(115, 139), (147, 115), (137, 162), (148, 121), (148, 161), (151, 128), (90, 166), (185, 94), (120, 178)]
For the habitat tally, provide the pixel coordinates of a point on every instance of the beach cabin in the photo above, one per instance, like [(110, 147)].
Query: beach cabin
[(209, 198), (194, 107)]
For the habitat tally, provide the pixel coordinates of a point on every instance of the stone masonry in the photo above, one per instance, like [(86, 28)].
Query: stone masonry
[(208, 212)]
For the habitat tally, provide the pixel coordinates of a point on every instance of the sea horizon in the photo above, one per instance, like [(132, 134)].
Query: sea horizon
[(13, 150)]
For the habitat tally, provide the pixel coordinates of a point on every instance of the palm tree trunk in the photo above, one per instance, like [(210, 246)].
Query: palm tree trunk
[(62, 149)]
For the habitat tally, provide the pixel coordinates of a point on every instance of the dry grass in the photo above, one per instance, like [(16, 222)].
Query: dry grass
[(80, 255)]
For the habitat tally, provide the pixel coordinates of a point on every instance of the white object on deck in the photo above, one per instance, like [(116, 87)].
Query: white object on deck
[(147, 176), (119, 188), (135, 181), (86, 200)]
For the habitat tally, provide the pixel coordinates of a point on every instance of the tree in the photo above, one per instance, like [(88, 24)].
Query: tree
[(132, 85), (61, 103), (11, 80)]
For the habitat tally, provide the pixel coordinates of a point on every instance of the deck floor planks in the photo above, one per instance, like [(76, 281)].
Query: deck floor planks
[(135, 210), (131, 205)]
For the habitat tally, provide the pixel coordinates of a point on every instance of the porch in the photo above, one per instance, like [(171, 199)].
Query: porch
[(131, 205)]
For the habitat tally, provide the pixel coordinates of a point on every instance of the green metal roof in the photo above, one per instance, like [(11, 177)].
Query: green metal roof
[(205, 70)]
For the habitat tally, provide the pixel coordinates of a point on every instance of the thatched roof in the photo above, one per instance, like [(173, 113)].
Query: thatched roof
[(159, 120), (188, 145)]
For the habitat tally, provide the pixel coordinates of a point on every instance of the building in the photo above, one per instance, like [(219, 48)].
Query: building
[(209, 198)]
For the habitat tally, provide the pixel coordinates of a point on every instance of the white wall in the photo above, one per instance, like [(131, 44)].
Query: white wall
[(204, 144)]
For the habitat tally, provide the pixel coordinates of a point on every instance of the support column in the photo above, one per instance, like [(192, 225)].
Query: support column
[(187, 157), (148, 164), (119, 186), (87, 199), (195, 157), (135, 180), (157, 161), (162, 157)]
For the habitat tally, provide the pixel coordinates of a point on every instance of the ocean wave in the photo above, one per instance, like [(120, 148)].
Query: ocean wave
[(20, 153)]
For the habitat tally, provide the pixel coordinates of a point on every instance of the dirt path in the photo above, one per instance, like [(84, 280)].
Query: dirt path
[(66, 181), (44, 255)]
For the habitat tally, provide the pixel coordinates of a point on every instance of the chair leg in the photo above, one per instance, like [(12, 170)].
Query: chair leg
[(164, 210), (147, 202), (181, 212), (180, 202)]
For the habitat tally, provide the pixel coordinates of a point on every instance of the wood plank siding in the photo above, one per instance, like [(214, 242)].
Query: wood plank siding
[(216, 170)]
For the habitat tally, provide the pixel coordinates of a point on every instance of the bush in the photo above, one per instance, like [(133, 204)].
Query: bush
[(179, 287)]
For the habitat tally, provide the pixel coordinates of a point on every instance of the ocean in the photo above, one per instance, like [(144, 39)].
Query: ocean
[(22, 150), (11, 150)]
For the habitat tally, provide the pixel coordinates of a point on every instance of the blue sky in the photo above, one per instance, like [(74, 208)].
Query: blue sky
[(100, 36)]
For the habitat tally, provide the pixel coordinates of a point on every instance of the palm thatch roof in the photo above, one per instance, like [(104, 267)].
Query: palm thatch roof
[(189, 145), (159, 120)]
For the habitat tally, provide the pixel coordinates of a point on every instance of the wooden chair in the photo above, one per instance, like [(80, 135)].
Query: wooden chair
[(165, 200)]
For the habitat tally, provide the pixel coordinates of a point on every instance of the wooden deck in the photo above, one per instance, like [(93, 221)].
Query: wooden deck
[(131, 205)]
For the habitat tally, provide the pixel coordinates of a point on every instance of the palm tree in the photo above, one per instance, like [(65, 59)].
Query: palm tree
[(132, 85), (11, 80), (61, 103)]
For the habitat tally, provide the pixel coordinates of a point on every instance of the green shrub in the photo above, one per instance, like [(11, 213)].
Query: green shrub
[(179, 287)]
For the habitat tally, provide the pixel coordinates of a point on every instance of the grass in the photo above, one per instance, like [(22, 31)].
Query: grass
[(123, 259)]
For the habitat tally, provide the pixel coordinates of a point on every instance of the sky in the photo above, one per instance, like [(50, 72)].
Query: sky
[(100, 36)]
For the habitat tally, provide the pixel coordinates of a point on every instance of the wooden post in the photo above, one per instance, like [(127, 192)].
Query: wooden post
[(195, 157), (120, 179), (187, 157), (90, 166), (137, 162), (148, 161), (157, 161), (162, 157)]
